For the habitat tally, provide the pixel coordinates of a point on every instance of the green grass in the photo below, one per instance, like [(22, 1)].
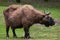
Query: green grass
[(37, 32)]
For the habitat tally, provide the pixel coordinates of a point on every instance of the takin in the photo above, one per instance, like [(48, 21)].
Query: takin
[(24, 17)]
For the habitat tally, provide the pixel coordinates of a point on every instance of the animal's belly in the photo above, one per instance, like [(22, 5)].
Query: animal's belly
[(17, 26)]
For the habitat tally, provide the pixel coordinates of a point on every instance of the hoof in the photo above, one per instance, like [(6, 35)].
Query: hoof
[(27, 37), (14, 36), (7, 38)]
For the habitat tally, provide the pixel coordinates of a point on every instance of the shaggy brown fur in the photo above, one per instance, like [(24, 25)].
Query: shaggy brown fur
[(9, 10), (27, 11), (24, 17), (12, 8)]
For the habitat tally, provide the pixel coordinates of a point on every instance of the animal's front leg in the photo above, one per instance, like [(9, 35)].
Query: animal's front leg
[(26, 30), (14, 34)]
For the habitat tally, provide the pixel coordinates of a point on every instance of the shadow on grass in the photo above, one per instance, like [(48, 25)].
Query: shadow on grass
[(15, 38)]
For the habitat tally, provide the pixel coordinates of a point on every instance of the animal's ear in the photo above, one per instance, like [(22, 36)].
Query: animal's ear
[(48, 13), (44, 16)]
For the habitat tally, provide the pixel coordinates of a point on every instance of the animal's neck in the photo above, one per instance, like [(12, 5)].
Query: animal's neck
[(38, 16)]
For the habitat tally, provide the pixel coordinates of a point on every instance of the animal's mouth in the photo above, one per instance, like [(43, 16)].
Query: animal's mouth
[(47, 25)]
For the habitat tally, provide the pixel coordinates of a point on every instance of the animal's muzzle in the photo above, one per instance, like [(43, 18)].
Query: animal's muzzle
[(51, 23)]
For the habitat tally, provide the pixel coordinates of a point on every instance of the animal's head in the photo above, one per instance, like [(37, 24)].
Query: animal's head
[(47, 20)]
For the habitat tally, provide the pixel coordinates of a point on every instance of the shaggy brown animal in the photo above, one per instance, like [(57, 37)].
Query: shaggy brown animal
[(7, 12), (24, 17)]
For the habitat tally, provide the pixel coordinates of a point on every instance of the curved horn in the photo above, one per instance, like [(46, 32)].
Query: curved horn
[(48, 13)]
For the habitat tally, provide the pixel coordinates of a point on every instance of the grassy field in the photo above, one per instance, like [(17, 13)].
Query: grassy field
[(37, 32)]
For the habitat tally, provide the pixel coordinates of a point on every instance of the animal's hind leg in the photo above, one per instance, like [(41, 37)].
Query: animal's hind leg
[(14, 34), (7, 30)]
